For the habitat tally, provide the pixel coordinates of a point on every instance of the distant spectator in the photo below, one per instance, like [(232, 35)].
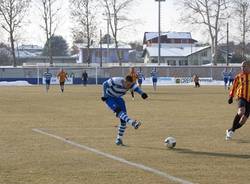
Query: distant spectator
[(84, 78), (196, 81)]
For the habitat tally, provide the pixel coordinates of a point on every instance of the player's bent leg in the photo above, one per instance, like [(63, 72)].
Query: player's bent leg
[(121, 131), (229, 134), (244, 118), (239, 120), (136, 124), (241, 111), (119, 142), (242, 121), (124, 117)]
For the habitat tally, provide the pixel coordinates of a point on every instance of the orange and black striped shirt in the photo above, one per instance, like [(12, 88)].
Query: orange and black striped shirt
[(134, 76), (241, 86), (62, 76)]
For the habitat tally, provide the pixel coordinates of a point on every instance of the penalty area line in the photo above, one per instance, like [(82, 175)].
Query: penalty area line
[(119, 159)]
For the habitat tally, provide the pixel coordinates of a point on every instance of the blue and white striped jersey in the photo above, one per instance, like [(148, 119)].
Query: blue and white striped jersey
[(230, 75), (140, 75), (154, 74), (225, 74), (114, 87), (47, 75)]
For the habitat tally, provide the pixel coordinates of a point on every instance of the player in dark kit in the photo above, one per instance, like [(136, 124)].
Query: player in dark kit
[(196, 81), (84, 78), (241, 88)]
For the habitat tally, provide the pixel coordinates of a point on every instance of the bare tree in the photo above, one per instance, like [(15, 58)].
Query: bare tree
[(116, 13), (49, 12), (241, 7), (82, 11), (12, 13), (210, 13)]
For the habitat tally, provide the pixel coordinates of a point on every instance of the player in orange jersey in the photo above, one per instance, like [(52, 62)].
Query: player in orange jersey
[(62, 76), (134, 76), (240, 89)]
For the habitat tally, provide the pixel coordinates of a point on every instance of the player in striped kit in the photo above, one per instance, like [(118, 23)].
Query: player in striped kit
[(113, 90), (47, 75), (140, 77), (225, 77), (241, 88), (154, 77)]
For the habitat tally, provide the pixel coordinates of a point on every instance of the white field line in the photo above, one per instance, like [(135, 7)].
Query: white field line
[(140, 166)]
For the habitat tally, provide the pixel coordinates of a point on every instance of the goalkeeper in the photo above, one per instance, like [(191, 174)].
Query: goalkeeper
[(113, 90)]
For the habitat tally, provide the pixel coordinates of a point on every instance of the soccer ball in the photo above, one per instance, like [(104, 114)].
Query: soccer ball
[(170, 142)]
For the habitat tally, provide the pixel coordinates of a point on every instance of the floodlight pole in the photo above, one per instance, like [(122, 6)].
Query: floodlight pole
[(227, 60), (159, 31), (100, 48), (108, 37)]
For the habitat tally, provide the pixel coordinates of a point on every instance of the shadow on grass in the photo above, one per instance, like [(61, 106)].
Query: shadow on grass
[(213, 154), (242, 141), (170, 93), (202, 153), (163, 99)]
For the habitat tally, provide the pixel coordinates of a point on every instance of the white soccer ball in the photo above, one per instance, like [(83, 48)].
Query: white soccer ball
[(170, 142)]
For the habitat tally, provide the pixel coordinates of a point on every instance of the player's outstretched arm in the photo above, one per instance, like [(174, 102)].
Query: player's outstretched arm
[(139, 91), (104, 95), (233, 90)]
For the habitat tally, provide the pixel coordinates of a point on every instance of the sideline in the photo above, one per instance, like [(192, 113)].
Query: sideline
[(140, 166)]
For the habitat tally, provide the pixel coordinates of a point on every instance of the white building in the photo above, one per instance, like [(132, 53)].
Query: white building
[(177, 48)]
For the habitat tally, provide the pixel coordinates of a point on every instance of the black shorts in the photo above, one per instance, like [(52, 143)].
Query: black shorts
[(61, 83), (47, 82), (197, 83), (244, 103)]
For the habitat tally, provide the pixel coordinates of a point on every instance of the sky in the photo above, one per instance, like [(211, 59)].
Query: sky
[(143, 13)]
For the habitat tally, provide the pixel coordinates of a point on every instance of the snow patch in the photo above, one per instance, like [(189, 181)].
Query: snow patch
[(15, 83)]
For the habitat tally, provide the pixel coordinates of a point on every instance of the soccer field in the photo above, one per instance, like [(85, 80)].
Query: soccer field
[(55, 138)]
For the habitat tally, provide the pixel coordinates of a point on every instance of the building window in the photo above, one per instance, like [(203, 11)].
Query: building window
[(177, 40), (154, 61), (183, 62), (206, 62), (171, 62), (184, 41), (204, 54)]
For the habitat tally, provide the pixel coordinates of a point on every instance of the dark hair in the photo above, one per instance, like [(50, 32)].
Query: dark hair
[(129, 78)]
